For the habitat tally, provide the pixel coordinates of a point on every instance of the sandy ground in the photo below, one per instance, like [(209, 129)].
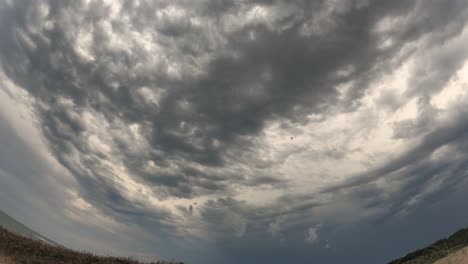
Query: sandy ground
[(459, 257), (5, 260)]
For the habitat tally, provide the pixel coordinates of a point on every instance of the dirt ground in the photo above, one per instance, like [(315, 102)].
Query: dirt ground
[(459, 257), (5, 260)]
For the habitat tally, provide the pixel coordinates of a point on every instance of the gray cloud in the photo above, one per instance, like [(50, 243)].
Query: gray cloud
[(238, 104)]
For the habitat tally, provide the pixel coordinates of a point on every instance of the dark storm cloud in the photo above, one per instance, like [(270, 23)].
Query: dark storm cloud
[(297, 78), (229, 99), (201, 85)]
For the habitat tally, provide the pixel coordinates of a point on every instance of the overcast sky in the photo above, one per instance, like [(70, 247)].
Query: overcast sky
[(217, 131)]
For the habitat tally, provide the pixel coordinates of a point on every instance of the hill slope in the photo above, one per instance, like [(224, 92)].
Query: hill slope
[(14, 226), (437, 250), (20, 244), (15, 248)]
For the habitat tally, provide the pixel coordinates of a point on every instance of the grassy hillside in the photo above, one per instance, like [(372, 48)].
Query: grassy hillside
[(11, 224), (437, 250), (20, 249)]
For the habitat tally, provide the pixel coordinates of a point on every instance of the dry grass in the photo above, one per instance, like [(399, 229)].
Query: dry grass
[(18, 249), (459, 257), (439, 250), (436, 256), (5, 260)]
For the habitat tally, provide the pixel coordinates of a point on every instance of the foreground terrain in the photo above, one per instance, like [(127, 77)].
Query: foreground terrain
[(459, 257), (15, 248), (451, 250), (12, 225)]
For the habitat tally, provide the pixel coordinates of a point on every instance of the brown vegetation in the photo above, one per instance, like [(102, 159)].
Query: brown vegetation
[(5, 260), (437, 251), (18, 249), (459, 257)]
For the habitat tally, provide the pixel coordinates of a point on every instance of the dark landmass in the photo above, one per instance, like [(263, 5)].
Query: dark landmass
[(15, 248)]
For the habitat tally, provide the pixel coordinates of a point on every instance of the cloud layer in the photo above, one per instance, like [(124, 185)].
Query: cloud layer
[(185, 123)]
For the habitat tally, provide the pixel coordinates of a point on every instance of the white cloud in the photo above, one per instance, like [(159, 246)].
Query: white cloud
[(312, 234), (275, 227)]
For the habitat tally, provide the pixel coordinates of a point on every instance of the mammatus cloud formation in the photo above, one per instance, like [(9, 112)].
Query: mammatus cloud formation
[(234, 130)]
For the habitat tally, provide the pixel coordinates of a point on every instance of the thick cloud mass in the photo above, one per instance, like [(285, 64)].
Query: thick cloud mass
[(235, 131)]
